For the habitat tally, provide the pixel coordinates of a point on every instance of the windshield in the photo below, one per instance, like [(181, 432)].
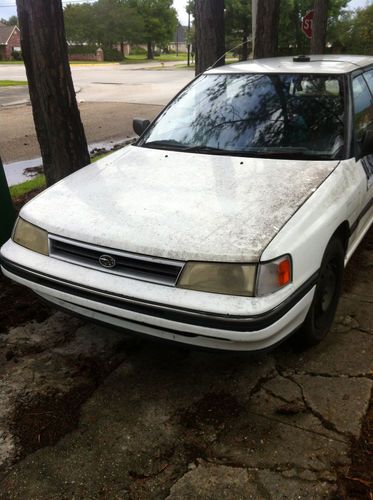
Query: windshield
[(267, 115)]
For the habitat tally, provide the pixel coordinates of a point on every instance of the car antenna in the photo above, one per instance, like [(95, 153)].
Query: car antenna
[(225, 53)]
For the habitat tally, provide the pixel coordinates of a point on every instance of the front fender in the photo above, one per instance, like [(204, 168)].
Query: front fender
[(305, 236)]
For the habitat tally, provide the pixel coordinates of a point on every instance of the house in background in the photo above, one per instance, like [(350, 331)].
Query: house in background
[(10, 41), (179, 42)]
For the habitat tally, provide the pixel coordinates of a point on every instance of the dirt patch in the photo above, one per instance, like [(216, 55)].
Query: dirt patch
[(44, 419), (214, 409), (19, 305), (358, 482)]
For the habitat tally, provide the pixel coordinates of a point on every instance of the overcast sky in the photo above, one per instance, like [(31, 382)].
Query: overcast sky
[(7, 8)]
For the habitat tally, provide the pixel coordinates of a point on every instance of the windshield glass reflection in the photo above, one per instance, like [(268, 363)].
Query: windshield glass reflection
[(284, 116)]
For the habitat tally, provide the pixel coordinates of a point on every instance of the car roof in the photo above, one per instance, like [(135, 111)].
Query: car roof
[(331, 63)]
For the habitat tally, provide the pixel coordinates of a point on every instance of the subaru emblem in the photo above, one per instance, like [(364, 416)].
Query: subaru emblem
[(107, 261)]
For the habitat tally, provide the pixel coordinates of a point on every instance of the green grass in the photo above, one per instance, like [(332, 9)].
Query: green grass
[(99, 157), (72, 63), (27, 186), (11, 62), (12, 83), (141, 58)]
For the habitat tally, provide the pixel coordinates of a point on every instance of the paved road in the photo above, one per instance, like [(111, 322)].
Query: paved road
[(182, 424), (132, 83)]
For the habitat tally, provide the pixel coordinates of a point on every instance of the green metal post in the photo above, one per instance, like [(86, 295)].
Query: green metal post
[(7, 215)]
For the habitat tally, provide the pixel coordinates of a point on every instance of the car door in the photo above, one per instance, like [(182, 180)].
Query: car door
[(363, 119)]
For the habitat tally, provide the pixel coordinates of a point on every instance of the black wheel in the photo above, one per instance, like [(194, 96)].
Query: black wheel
[(328, 289)]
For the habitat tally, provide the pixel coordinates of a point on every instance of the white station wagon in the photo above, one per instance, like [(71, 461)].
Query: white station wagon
[(229, 222)]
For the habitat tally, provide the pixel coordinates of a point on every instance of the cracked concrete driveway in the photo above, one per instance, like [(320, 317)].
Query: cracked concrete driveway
[(182, 424)]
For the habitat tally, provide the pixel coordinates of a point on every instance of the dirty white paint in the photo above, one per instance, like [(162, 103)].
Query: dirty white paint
[(179, 205), (331, 63)]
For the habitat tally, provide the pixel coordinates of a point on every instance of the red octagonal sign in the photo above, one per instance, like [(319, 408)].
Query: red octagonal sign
[(307, 23)]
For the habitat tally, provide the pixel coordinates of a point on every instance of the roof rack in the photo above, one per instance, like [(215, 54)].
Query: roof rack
[(301, 59)]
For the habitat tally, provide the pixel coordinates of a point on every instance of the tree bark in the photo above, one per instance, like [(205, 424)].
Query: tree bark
[(320, 21), (57, 120), (266, 28), (150, 50), (210, 39)]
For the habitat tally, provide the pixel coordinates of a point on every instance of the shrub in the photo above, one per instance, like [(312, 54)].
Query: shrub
[(17, 55), (112, 55), (138, 51), (82, 49)]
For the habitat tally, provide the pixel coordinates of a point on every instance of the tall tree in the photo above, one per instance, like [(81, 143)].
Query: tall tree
[(56, 115), (320, 22), (266, 21), (238, 26), (105, 22), (12, 21), (160, 21), (291, 13), (210, 40)]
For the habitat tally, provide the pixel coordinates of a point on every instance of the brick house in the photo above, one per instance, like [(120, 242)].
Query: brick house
[(10, 41)]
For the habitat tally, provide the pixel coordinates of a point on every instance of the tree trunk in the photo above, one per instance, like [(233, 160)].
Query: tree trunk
[(56, 115), (266, 28), (320, 21), (150, 50), (210, 40)]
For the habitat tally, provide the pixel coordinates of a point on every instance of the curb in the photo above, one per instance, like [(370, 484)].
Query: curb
[(15, 103)]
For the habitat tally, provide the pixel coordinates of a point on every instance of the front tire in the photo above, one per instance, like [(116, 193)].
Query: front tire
[(328, 289)]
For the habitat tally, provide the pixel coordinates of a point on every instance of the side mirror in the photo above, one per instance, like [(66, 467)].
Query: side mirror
[(366, 144), (140, 125)]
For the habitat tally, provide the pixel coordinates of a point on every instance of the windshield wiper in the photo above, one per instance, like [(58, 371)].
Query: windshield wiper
[(291, 154), (207, 149), (165, 144), (176, 145)]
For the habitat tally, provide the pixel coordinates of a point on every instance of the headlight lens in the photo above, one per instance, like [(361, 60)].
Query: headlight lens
[(30, 236), (231, 279), (274, 275)]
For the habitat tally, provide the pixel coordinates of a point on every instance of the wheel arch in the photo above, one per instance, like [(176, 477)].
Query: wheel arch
[(343, 232)]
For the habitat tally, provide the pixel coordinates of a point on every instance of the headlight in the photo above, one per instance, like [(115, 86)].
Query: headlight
[(232, 279), (237, 279), (30, 236), (274, 275)]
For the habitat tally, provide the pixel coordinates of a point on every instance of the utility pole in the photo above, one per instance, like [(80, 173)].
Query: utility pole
[(188, 38), (254, 10)]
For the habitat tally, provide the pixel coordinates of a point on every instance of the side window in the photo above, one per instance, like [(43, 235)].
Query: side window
[(363, 105), (369, 79)]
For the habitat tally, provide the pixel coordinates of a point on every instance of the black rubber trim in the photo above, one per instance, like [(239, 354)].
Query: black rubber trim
[(187, 316), (361, 215), (161, 340)]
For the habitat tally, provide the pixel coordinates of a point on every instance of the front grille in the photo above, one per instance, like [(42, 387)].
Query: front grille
[(141, 267)]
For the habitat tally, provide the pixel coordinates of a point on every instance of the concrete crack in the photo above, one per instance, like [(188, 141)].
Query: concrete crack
[(295, 426), (324, 422)]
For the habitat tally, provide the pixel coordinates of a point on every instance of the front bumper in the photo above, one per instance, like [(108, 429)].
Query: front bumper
[(229, 331)]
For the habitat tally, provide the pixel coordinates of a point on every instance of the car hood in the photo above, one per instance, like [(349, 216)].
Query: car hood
[(178, 205)]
